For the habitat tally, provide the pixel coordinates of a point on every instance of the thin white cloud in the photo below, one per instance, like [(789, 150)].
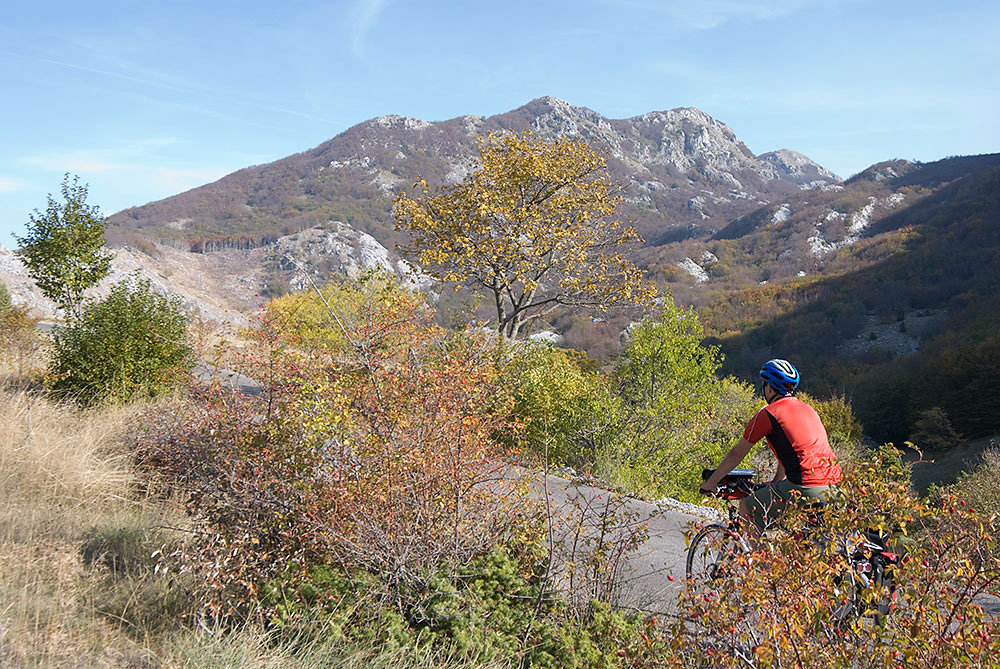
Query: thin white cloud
[(99, 160), (363, 18), (8, 185), (79, 160), (707, 14), (143, 80)]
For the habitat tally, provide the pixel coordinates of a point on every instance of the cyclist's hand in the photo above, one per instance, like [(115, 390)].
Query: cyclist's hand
[(709, 489)]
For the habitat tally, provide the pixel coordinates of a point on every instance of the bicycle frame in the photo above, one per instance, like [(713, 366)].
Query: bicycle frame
[(867, 552)]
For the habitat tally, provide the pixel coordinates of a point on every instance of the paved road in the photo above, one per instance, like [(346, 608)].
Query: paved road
[(207, 373), (578, 509), (644, 575)]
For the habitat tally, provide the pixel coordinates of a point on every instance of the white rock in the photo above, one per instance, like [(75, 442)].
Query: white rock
[(781, 214), (694, 269), (546, 337), (407, 122)]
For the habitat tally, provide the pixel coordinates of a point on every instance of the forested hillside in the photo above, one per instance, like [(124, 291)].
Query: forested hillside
[(903, 320)]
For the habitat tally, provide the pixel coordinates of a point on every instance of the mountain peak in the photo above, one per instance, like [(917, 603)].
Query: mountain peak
[(799, 168), (884, 171), (681, 171), (552, 101)]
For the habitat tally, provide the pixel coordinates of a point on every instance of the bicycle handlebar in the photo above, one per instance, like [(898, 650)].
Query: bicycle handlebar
[(737, 484)]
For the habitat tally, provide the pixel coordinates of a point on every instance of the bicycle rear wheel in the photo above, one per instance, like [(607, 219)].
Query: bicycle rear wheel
[(711, 549)]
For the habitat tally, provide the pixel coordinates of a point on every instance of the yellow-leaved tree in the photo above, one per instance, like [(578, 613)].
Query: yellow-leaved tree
[(533, 225)]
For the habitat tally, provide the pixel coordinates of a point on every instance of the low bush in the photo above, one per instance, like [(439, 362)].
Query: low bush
[(377, 457), (982, 482), (496, 610), (647, 427), (130, 344), (675, 416), (932, 430), (327, 319), (565, 405), (779, 604), (20, 342)]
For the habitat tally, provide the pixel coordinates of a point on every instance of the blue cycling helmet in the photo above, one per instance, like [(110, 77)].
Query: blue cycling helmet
[(781, 375)]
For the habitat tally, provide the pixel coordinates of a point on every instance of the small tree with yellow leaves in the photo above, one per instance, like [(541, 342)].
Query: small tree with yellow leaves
[(533, 225)]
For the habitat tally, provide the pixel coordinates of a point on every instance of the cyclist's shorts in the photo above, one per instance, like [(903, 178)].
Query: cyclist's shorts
[(767, 504)]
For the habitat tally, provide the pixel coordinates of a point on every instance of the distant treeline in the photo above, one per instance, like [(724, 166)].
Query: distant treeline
[(240, 242)]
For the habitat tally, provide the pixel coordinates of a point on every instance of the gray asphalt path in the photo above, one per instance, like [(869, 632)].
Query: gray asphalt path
[(651, 576)]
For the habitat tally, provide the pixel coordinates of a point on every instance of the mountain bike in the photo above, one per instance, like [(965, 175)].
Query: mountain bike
[(870, 588)]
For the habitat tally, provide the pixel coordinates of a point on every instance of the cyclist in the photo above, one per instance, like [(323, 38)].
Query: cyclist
[(807, 466)]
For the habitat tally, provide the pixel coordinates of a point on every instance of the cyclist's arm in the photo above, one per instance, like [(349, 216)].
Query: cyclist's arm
[(779, 473), (728, 463)]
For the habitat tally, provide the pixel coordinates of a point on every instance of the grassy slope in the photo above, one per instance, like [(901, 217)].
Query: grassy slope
[(78, 586)]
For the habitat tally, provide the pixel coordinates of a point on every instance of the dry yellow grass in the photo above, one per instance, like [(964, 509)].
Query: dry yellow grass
[(58, 467), (62, 473)]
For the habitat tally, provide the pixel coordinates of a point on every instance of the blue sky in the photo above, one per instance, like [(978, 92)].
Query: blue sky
[(146, 99)]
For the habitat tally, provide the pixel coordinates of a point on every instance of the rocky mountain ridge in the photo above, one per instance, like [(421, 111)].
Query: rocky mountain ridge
[(683, 173)]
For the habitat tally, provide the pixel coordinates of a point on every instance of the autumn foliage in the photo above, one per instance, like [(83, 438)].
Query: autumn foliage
[(533, 225), (787, 603), (372, 455)]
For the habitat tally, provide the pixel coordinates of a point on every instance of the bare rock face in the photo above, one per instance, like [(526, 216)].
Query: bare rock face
[(23, 291), (796, 167), (225, 286), (337, 249), (686, 141), (211, 288)]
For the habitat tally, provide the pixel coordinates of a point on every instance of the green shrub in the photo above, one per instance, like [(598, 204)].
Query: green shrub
[(565, 405), (675, 415), (324, 322), (494, 612), (378, 454), (981, 484), (131, 343), (4, 297), (933, 430)]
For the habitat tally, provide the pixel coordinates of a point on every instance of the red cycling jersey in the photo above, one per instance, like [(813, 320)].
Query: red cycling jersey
[(797, 436)]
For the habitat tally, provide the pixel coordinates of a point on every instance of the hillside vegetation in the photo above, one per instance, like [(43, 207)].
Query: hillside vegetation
[(848, 278), (903, 320), (351, 514), (372, 499)]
